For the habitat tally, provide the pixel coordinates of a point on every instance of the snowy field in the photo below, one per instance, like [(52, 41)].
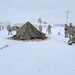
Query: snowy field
[(49, 57)]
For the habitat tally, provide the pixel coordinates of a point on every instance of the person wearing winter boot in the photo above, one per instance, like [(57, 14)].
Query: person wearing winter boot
[(70, 32), (40, 28), (9, 28), (66, 31), (49, 29), (0, 28), (73, 37)]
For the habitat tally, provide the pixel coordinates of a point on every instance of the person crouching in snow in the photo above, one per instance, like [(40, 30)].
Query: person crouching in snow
[(49, 29), (66, 30), (40, 28)]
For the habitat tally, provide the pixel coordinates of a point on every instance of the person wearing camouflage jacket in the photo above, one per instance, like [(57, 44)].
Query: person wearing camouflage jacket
[(70, 31)]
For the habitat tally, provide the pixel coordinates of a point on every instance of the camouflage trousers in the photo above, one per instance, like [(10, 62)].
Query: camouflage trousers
[(66, 34), (9, 32), (49, 31), (73, 39), (70, 37)]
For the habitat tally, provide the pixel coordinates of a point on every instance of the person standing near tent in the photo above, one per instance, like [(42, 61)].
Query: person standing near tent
[(0, 28), (70, 31), (49, 29), (9, 28), (66, 30), (73, 37), (40, 28)]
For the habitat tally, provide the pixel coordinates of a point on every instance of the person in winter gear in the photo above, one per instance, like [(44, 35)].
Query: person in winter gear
[(9, 28), (73, 37), (70, 31), (49, 29), (40, 28), (0, 28), (66, 30)]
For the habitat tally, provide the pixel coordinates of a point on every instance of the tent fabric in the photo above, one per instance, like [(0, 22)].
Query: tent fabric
[(27, 32)]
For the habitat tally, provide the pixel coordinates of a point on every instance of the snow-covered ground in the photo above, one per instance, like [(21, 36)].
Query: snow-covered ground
[(49, 57)]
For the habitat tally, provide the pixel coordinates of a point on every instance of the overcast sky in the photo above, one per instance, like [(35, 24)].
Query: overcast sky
[(52, 11)]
